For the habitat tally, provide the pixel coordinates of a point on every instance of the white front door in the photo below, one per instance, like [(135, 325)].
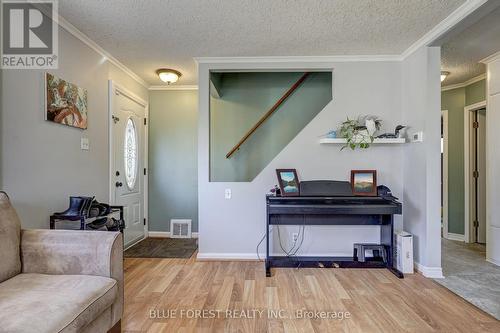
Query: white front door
[(127, 178)]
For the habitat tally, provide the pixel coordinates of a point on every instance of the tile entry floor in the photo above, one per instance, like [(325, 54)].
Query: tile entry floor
[(470, 276)]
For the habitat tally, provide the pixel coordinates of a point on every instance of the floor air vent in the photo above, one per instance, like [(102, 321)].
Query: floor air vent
[(180, 228)]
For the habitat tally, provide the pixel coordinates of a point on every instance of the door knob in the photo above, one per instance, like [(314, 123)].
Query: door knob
[(118, 184)]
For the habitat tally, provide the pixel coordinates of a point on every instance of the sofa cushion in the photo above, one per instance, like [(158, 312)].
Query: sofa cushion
[(10, 239), (54, 303)]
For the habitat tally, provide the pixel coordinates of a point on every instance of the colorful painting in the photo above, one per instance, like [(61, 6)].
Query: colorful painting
[(288, 182), (364, 182), (66, 103)]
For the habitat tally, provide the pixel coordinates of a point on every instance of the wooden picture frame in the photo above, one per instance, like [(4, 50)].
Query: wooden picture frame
[(288, 182), (364, 182)]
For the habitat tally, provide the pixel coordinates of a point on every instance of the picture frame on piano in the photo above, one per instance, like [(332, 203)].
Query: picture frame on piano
[(364, 182), (288, 182)]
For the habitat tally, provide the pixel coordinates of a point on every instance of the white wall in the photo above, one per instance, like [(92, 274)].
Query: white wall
[(421, 110), (493, 161), (126, 81), (232, 228), (42, 163)]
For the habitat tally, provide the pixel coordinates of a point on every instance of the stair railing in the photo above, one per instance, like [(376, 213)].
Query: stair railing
[(267, 114)]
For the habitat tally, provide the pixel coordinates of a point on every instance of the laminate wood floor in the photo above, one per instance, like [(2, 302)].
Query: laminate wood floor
[(371, 300)]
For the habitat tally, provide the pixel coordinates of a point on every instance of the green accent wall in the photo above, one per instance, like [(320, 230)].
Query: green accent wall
[(173, 154), (475, 92), (245, 98), (455, 101)]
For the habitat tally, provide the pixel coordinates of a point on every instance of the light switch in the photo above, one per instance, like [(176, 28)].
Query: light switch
[(227, 193), (417, 137), (84, 143)]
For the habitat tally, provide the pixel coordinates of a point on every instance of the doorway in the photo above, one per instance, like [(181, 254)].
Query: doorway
[(475, 173), (128, 158)]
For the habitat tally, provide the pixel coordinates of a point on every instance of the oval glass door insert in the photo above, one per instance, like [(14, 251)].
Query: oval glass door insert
[(130, 153)]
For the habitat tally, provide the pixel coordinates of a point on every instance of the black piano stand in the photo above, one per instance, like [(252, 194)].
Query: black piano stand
[(384, 219)]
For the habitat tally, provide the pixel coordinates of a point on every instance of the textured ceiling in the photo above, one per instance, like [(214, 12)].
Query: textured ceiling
[(147, 35), (461, 55)]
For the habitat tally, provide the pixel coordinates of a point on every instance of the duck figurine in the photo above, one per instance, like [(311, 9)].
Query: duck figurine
[(394, 135)]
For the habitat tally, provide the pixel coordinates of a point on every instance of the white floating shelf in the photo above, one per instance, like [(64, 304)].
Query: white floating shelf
[(376, 141)]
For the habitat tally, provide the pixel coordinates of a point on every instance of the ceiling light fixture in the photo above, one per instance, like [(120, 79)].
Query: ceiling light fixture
[(444, 74), (168, 75)]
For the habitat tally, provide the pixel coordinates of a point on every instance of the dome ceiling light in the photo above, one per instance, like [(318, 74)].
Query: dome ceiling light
[(168, 75), (444, 74)]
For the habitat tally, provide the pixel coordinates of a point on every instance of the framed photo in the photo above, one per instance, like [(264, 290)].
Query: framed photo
[(364, 182), (288, 182), (65, 102)]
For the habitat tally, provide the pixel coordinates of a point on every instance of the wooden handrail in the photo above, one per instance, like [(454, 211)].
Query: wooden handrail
[(268, 114)]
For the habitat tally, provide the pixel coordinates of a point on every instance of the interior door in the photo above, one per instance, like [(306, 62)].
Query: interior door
[(481, 180), (128, 136)]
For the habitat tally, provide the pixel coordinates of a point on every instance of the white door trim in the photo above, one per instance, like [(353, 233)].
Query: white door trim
[(467, 200), (444, 114), (114, 88)]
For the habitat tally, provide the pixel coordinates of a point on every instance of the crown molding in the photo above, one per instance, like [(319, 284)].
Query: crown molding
[(174, 87), (296, 59), (444, 26), (63, 23), (465, 83), (493, 57)]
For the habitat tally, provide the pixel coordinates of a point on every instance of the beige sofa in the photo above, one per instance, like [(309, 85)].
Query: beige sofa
[(58, 280)]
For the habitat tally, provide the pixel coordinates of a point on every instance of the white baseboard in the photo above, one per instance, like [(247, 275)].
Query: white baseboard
[(493, 261), (455, 237), (166, 234), (430, 272), (253, 256), (229, 256), (313, 254)]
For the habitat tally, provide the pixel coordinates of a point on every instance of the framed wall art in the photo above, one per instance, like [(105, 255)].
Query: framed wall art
[(65, 102)]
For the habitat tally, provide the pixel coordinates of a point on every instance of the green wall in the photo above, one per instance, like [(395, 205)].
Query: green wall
[(173, 175), (475, 92), (245, 97), (454, 101)]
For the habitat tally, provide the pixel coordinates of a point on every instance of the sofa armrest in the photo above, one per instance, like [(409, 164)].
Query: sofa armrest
[(70, 252), (75, 252)]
